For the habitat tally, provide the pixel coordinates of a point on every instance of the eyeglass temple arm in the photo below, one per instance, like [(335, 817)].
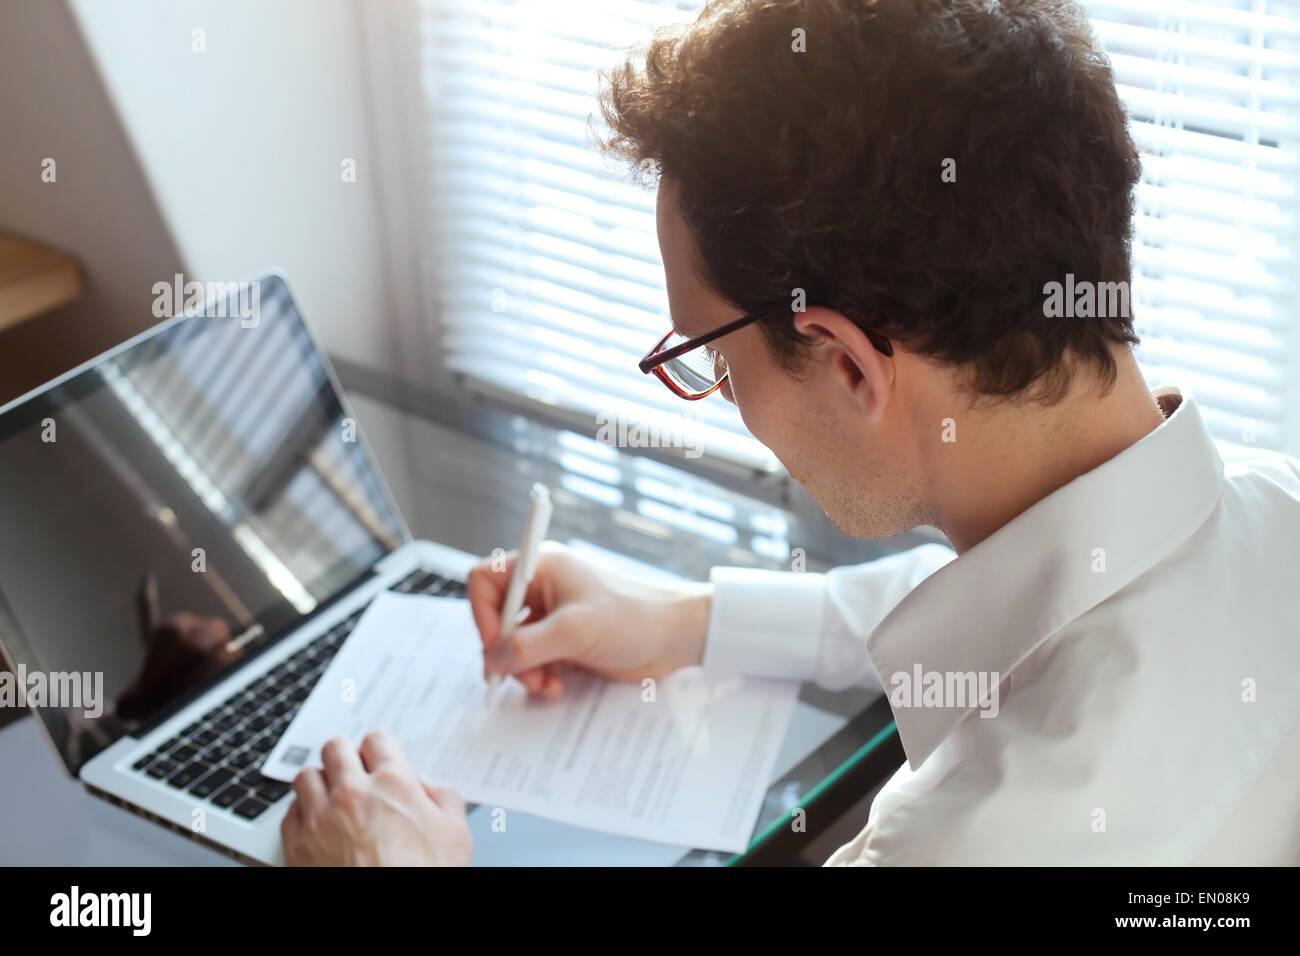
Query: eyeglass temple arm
[(655, 359)]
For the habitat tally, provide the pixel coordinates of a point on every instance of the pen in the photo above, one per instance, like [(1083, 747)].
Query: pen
[(535, 525)]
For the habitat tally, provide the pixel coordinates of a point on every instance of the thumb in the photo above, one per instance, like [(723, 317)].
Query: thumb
[(553, 638)]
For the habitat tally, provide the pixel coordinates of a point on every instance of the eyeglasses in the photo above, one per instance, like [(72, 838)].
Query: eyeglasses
[(693, 372)]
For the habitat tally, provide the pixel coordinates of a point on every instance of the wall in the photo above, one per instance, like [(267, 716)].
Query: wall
[(100, 207), (244, 144), (217, 163)]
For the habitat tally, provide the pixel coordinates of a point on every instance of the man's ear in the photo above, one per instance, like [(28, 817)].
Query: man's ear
[(865, 373)]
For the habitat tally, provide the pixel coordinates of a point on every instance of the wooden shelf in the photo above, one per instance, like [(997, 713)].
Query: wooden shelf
[(34, 279)]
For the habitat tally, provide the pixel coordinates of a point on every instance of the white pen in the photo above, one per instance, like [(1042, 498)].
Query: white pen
[(535, 525)]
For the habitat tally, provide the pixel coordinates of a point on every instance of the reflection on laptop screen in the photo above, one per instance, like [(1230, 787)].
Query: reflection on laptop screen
[(171, 508)]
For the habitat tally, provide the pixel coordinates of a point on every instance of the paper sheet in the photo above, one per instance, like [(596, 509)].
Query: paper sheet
[(685, 761)]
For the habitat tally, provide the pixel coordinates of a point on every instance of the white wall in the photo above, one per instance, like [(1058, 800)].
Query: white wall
[(99, 207), (242, 145)]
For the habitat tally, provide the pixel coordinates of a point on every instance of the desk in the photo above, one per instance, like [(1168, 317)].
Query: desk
[(467, 487)]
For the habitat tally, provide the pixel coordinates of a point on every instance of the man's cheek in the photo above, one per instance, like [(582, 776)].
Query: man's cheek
[(760, 407), (759, 419)]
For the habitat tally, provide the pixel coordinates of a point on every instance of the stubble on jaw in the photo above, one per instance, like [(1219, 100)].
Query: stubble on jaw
[(861, 497), (874, 515)]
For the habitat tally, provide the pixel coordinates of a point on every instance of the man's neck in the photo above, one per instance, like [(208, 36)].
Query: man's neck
[(1009, 457)]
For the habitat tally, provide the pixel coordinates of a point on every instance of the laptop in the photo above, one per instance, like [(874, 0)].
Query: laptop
[(190, 526)]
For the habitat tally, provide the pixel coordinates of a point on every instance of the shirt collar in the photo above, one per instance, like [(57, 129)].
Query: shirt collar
[(994, 605)]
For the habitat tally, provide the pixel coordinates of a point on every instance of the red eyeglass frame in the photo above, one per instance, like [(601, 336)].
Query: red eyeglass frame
[(655, 360)]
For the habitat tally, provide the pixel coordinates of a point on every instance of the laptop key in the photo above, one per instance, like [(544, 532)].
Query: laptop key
[(255, 767), (161, 768), (251, 777), (182, 778), (183, 753), (406, 582), (212, 782), (251, 808), (272, 790), (422, 584), (204, 737), (229, 796), (258, 723), (216, 753), (146, 760)]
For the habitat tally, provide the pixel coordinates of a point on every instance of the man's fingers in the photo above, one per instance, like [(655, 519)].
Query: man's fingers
[(290, 828), (448, 799), (381, 748), (342, 763), (486, 590), (309, 785), (542, 681), (553, 686), (555, 637)]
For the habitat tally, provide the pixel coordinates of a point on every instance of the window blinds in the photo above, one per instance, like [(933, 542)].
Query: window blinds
[(547, 272), (1213, 88), (544, 251)]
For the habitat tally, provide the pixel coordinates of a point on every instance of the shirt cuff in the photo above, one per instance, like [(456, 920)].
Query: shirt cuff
[(764, 623)]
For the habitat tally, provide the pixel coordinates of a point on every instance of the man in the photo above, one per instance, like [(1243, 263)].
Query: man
[(891, 194)]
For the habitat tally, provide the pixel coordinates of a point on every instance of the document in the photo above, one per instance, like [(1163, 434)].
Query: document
[(684, 760)]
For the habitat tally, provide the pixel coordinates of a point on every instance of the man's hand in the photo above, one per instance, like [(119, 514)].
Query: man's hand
[(368, 808), (600, 619)]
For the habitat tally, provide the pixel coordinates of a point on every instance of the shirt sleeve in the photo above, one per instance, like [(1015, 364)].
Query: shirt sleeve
[(810, 626)]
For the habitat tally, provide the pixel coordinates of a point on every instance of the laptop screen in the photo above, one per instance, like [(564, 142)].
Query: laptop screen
[(173, 507)]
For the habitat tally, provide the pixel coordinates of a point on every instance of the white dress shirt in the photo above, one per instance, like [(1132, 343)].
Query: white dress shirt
[(1143, 624)]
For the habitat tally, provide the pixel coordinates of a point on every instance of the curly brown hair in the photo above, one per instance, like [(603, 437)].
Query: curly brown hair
[(823, 170)]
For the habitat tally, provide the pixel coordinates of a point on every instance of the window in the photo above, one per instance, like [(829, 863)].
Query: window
[(544, 251), (544, 255), (1213, 89)]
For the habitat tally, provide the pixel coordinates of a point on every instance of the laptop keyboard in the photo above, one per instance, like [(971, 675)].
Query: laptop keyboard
[(218, 758)]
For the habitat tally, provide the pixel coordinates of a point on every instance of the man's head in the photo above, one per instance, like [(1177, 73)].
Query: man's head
[(918, 168)]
